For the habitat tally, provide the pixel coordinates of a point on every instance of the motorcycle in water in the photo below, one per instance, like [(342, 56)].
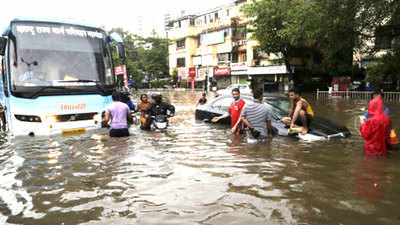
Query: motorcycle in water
[(159, 122)]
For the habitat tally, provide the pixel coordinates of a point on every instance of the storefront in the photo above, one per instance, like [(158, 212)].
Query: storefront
[(239, 73), (222, 77), (202, 73), (269, 78)]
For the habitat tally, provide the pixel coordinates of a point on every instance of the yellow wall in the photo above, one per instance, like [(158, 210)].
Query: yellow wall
[(191, 33)]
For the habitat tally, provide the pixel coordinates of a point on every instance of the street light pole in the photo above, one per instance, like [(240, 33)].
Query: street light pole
[(207, 83)]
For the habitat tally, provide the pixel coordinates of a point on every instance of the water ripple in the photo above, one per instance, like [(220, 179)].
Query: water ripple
[(197, 173)]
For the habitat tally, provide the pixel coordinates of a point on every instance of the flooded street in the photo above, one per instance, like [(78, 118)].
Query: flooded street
[(196, 173)]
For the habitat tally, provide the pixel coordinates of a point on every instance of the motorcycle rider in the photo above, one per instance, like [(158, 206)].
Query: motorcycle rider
[(157, 107), (124, 98), (141, 107)]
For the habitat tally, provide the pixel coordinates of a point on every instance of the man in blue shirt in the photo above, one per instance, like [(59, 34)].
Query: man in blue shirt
[(127, 100)]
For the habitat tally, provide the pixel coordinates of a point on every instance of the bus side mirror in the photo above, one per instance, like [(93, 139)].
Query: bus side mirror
[(116, 37), (3, 42), (121, 51), (120, 44)]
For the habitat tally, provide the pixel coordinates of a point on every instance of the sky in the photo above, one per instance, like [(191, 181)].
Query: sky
[(108, 14)]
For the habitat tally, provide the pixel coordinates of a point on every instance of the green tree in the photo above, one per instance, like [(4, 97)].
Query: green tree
[(281, 26), (175, 76), (143, 55), (155, 56), (346, 27), (329, 30)]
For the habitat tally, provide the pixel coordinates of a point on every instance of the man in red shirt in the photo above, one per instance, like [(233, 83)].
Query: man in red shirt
[(234, 111)]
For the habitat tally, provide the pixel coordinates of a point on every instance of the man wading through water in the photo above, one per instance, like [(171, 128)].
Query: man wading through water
[(300, 114), (257, 117), (119, 113), (234, 111)]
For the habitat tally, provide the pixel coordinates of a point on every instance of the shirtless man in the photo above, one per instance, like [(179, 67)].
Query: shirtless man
[(300, 114)]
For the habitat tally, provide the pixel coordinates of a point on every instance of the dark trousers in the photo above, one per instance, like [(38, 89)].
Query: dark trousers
[(146, 125), (119, 132), (309, 119)]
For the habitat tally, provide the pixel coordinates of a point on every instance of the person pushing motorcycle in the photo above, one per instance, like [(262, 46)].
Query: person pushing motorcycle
[(157, 107)]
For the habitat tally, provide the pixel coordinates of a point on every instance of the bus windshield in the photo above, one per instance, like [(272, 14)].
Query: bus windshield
[(52, 54)]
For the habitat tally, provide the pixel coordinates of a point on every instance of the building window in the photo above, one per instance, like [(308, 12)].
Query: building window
[(216, 15), (239, 33), (244, 56), (227, 12), (205, 19), (198, 41), (223, 57), (180, 43), (235, 57), (180, 62)]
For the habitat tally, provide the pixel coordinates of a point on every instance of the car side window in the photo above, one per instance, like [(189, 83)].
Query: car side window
[(284, 104), (222, 104)]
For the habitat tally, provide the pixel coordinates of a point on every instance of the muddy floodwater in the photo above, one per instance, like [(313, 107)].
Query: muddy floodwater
[(196, 173)]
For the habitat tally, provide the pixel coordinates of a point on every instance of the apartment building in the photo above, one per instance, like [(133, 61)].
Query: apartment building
[(213, 45)]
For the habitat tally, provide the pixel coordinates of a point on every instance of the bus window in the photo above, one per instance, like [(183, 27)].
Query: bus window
[(3, 76), (109, 78)]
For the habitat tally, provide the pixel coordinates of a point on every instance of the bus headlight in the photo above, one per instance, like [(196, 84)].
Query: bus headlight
[(97, 118), (27, 118)]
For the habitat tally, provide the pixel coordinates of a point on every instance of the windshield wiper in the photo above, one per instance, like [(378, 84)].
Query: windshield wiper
[(79, 81), (97, 82), (44, 88)]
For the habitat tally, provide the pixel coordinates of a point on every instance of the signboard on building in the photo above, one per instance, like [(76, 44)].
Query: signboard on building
[(221, 71), (192, 72), (182, 73), (239, 43), (213, 38), (121, 71), (201, 74), (238, 66), (267, 70)]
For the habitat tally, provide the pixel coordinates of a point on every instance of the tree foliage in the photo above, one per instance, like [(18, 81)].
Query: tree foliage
[(330, 30), (144, 56), (281, 26)]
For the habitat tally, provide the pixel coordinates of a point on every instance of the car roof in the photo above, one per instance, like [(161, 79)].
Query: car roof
[(245, 97), (274, 97)]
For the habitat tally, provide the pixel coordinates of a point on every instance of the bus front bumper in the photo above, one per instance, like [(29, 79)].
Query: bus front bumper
[(50, 126)]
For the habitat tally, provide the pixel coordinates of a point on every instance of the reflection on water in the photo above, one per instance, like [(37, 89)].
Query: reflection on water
[(197, 173), (372, 178)]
